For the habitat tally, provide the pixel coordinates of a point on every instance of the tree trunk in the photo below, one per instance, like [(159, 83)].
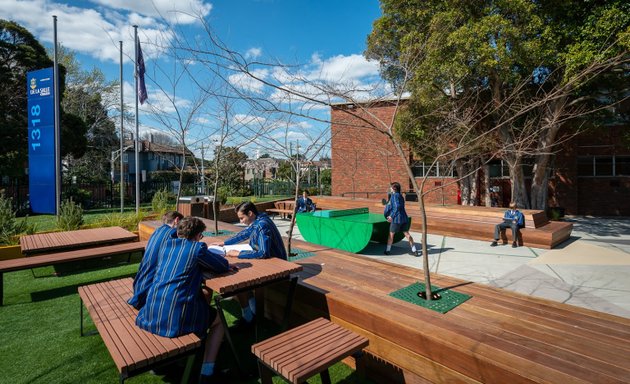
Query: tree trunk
[(464, 182), (295, 196), (519, 192), (486, 186), (540, 177)]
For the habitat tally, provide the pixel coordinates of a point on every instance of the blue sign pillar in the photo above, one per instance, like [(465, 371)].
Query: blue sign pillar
[(41, 141)]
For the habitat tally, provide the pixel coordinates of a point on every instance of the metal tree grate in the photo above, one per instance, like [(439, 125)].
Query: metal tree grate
[(449, 299), (299, 254)]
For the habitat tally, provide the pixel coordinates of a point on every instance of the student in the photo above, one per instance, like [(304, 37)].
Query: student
[(175, 305), (398, 219), (512, 218), (265, 241), (304, 203), (146, 270)]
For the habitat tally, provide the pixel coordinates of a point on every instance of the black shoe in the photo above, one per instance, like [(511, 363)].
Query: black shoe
[(493, 244), (241, 325), (415, 253), (514, 245), (387, 253)]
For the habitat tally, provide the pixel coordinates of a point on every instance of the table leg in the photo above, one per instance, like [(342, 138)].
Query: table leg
[(289, 303), (217, 300)]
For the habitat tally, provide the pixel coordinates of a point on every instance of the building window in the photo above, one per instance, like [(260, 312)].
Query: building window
[(422, 169), (622, 166), (603, 166), (125, 157), (498, 168)]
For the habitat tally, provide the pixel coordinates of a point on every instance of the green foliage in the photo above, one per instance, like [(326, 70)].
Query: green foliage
[(20, 52), (128, 220), (10, 227), (80, 196), (70, 216), (222, 194), (231, 168), (161, 201)]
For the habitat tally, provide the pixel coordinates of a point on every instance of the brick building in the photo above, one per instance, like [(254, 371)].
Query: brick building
[(591, 174)]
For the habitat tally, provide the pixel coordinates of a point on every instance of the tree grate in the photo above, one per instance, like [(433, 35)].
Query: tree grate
[(449, 299)]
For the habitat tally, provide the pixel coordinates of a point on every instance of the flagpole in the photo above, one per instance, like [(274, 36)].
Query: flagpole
[(57, 133), (137, 158), (122, 133)]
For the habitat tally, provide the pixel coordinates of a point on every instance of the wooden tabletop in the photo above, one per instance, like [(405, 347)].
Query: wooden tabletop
[(251, 272), (83, 238)]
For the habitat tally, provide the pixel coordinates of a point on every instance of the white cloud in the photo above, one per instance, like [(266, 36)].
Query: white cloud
[(95, 32), (174, 11), (253, 53), (246, 82)]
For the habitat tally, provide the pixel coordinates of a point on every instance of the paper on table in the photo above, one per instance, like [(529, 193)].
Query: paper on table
[(222, 250)]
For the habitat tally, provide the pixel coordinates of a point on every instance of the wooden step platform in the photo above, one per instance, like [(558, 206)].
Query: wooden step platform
[(496, 336), (475, 223)]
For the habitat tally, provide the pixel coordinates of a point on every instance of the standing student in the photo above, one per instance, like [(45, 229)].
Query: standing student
[(265, 241), (398, 219), (512, 218), (175, 304), (146, 270)]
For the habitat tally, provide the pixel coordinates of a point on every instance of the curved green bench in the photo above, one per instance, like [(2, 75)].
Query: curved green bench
[(347, 229)]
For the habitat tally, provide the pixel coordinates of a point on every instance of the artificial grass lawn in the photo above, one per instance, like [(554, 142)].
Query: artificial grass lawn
[(39, 330)]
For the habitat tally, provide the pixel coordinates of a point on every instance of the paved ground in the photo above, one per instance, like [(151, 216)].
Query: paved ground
[(591, 269)]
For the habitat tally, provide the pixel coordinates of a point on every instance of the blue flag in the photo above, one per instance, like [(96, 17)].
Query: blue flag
[(142, 89)]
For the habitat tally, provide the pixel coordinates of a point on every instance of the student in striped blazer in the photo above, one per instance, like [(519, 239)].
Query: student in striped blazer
[(175, 304), (398, 220), (266, 242), (146, 269)]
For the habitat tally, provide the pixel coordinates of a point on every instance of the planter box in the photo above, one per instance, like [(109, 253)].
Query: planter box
[(10, 252)]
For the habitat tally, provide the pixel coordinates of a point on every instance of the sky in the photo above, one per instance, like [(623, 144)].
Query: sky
[(320, 40)]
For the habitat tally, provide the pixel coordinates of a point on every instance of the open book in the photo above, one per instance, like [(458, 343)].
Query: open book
[(222, 250)]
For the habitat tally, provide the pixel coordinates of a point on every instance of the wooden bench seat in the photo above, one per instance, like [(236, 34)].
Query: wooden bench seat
[(307, 350), (496, 336), (475, 223), (283, 208), (66, 257), (133, 350)]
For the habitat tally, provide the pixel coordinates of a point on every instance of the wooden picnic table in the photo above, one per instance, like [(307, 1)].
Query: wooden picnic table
[(83, 238), (251, 274)]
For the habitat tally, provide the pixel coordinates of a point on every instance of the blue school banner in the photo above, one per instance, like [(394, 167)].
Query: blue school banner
[(41, 141)]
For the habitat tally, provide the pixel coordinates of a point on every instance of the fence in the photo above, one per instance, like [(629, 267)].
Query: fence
[(107, 195)]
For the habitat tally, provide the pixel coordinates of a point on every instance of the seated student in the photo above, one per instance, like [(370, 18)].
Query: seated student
[(511, 219), (304, 203), (175, 305), (265, 241), (146, 270)]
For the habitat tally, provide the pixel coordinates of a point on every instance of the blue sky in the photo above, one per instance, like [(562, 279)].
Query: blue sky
[(319, 39)]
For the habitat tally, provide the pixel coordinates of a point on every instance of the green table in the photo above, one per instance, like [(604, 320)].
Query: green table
[(347, 229)]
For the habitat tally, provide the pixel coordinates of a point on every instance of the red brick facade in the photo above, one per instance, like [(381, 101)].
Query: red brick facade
[(364, 163)]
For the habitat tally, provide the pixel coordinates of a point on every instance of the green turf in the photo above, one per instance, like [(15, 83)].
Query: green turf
[(39, 330), (449, 299)]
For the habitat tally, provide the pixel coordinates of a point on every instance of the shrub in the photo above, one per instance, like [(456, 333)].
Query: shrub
[(160, 202), (223, 194), (128, 220), (10, 227), (70, 216)]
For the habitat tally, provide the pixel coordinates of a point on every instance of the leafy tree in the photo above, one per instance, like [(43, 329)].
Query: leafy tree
[(20, 53), (513, 72), (231, 168), (88, 96)]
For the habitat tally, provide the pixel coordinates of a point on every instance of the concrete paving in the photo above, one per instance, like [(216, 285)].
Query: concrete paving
[(590, 270)]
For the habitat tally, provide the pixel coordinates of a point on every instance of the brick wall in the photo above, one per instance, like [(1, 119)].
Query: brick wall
[(363, 158)]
